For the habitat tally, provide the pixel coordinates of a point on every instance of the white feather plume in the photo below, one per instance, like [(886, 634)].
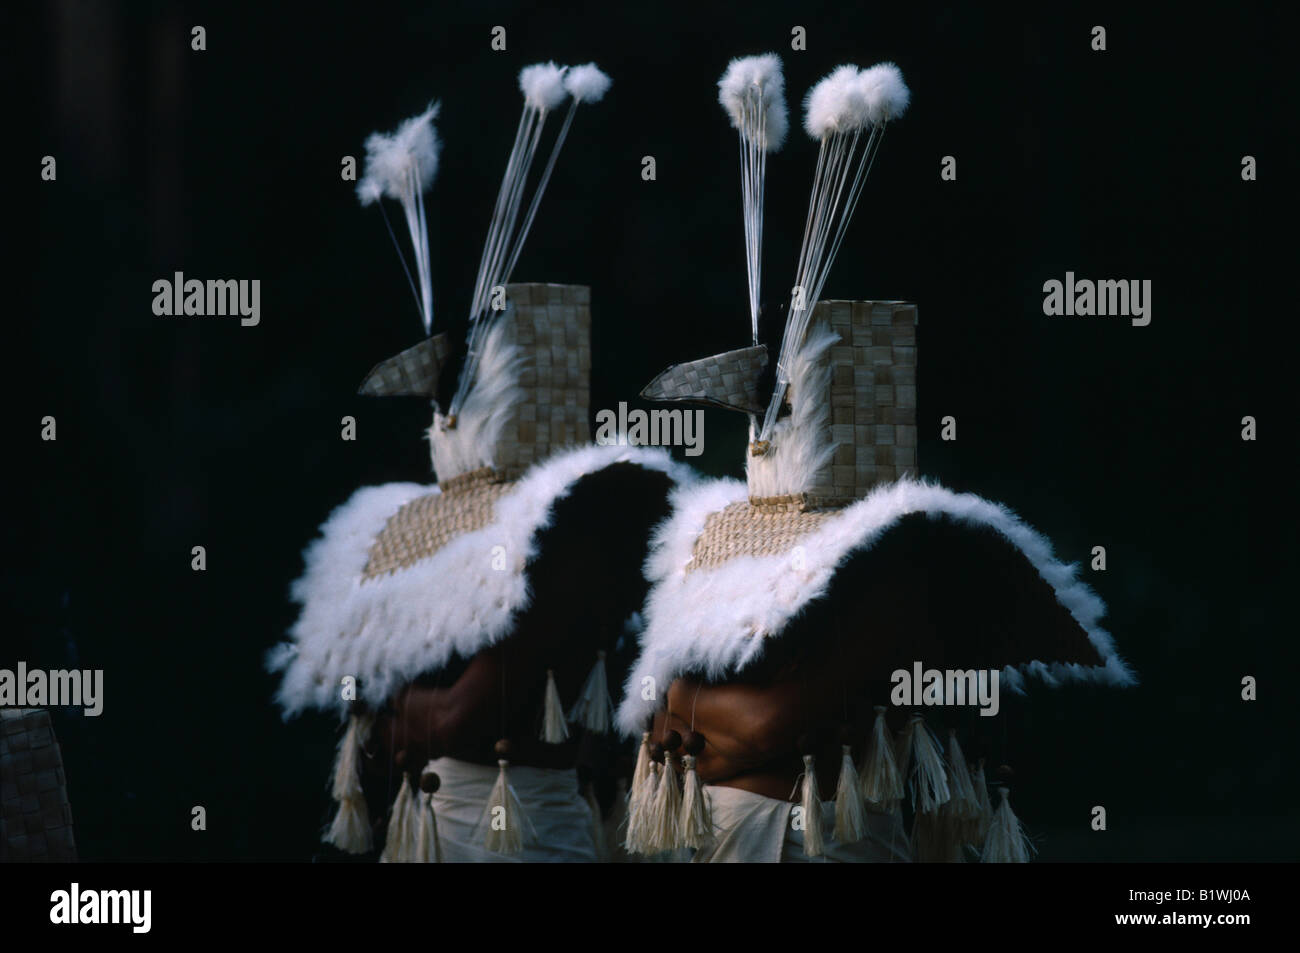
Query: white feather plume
[(750, 79), (836, 104), (799, 447), (542, 85), (488, 406), (586, 83), (392, 157), (885, 92)]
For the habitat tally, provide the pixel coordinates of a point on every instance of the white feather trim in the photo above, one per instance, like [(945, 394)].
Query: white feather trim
[(391, 158), (885, 92), (586, 83), (715, 622), (387, 630), (488, 407), (756, 79), (800, 444), (542, 85), (836, 104)]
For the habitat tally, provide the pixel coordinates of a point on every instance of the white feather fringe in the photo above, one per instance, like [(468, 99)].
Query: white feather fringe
[(586, 83), (884, 92), (387, 630), (837, 104), (799, 446), (542, 85), (392, 159), (488, 407), (752, 82), (715, 622)]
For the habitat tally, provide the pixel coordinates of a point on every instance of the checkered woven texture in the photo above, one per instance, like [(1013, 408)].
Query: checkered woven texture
[(553, 329), (872, 399), (743, 529), (425, 525), (412, 373), (35, 818), (726, 380)]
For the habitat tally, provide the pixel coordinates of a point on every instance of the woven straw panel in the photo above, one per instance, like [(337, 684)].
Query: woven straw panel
[(425, 525), (727, 380), (35, 818), (553, 329), (744, 530), (412, 373), (872, 398)]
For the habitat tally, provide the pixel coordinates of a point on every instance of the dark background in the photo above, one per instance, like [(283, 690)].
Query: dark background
[(176, 432)]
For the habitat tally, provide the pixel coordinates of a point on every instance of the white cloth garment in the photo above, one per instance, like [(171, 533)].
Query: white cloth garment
[(752, 829), (560, 823)]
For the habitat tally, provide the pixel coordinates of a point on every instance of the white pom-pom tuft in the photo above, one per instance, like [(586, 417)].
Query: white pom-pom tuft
[(586, 83), (391, 159), (542, 85), (756, 81), (837, 104), (885, 92)]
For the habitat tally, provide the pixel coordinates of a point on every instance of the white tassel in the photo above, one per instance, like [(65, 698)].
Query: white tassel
[(593, 709), (962, 812), (597, 826), (1006, 842), (696, 823), (812, 809), (554, 730), (401, 827), (882, 781), (637, 798), (985, 815), (428, 848), (663, 823), (930, 787), (350, 829), (850, 812), (504, 816)]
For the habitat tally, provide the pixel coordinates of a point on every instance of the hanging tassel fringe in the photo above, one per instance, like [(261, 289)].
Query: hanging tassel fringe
[(984, 816), (663, 823), (811, 803), (637, 799), (850, 811), (597, 825), (554, 730), (428, 848), (882, 781), (504, 816), (402, 827), (1006, 842), (930, 783), (696, 823), (350, 829), (594, 709)]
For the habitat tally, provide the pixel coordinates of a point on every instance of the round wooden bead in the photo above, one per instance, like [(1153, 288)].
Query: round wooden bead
[(1005, 773), (807, 743), (502, 748), (430, 782), (672, 740), (657, 752), (399, 759), (693, 742), (357, 707), (848, 734)]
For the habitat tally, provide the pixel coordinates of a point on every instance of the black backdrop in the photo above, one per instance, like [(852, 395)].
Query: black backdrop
[(196, 431)]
